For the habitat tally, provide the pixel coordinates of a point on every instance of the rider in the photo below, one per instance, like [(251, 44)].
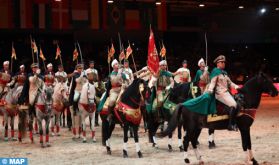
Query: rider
[(116, 79), (61, 75), (184, 72), (128, 72), (19, 78), (202, 75), (5, 78), (49, 75), (220, 83), (164, 83)]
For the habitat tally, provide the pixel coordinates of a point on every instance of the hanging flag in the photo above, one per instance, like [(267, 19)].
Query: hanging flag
[(152, 57), (111, 51), (58, 52), (34, 46), (13, 52), (42, 55), (121, 55), (129, 51), (163, 51), (109, 58), (75, 54)]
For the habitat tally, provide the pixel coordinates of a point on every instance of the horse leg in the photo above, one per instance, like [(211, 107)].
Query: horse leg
[(57, 123), (12, 128), (111, 128), (69, 118), (211, 143), (156, 125), (170, 142), (52, 124), (30, 123), (185, 147), (92, 126), (41, 130), (179, 137), (83, 117), (131, 132), (36, 126), (136, 138), (246, 145), (73, 122), (6, 124), (125, 139), (193, 136), (47, 120), (79, 124)]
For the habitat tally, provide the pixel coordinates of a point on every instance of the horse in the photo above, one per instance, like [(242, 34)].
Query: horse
[(44, 106), (249, 97), (179, 94), (87, 108), (10, 110), (60, 101), (128, 113)]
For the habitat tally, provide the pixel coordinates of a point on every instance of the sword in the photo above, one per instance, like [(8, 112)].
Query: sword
[(206, 53)]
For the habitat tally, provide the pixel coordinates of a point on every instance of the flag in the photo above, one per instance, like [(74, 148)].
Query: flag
[(75, 54), (129, 51), (152, 57), (111, 51), (42, 55), (109, 58), (163, 51), (58, 52), (121, 55), (34, 46), (13, 52)]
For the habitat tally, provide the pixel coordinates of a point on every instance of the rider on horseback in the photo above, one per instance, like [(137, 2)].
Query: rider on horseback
[(202, 75), (49, 76), (116, 79), (220, 84), (5, 78), (19, 78), (184, 72)]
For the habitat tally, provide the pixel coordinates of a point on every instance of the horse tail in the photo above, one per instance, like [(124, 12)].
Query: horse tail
[(172, 124), (22, 123)]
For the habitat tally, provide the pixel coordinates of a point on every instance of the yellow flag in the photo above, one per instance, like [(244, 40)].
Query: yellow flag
[(42, 55), (13, 52)]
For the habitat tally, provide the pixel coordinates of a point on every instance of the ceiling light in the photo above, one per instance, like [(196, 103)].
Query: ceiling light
[(201, 5), (263, 10), (241, 7), (277, 8), (158, 3), (110, 1), (58, 0)]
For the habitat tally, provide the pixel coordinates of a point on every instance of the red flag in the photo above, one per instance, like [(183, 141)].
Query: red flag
[(58, 52), (111, 51), (42, 55), (75, 54), (152, 57), (122, 55), (129, 51), (34, 46)]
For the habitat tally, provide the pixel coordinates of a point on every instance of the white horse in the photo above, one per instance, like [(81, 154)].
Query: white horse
[(10, 110), (87, 108), (60, 101), (43, 112)]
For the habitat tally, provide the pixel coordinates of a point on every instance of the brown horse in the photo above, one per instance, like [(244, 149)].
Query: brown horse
[(249, 96)]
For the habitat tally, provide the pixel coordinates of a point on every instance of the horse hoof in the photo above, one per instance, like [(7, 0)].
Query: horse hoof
[(14, 139), (198, 143), (155, 145), (57, 134), (108, 151), (181, 149), (140, 154), (52, 134), (170, 148), (42, 145), (187, 161), (125, 154), (48, 145), (20, 140), (211, 145), (94, 140), (6, 139), (84, 141), (255, 162)]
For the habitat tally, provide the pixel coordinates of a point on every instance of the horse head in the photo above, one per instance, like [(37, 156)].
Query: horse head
[(267, 84), (48, 92)]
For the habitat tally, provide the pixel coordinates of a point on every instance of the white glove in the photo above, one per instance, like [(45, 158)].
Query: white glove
[(38, 71), (168, 87), (206, 68), (96, 84), (127, 76)]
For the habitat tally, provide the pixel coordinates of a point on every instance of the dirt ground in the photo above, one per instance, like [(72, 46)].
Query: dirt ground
[(63, 150)]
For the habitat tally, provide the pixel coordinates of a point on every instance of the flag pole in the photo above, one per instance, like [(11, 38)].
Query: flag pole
[(43, 59), (32, 49), (133, 58), (206, 53), (109, 59), (12, 57), (60, 58)]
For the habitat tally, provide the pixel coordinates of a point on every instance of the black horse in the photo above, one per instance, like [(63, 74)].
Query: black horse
[(180, 93), (127, 113), (249, 96)]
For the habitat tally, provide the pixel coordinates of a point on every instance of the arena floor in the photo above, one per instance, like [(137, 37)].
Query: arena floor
[(264, 133)]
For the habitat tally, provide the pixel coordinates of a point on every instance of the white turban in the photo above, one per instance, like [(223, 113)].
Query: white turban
[(6, 63), (22, 66), (114, 62), (163, 62), (200, 62), (49, 65)]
